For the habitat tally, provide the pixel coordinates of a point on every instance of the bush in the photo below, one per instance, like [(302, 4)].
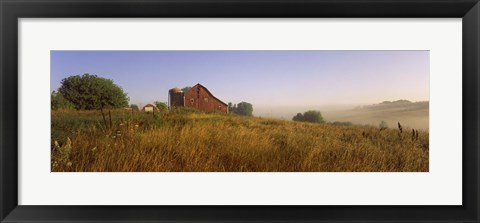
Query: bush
[(162, 106), (309, 116), (298, 117), (242, 108)]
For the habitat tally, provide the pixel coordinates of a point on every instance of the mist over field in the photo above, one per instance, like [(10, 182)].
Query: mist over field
[(409, 114)]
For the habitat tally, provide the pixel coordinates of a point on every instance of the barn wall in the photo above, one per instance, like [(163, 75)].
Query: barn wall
[(199, 98)]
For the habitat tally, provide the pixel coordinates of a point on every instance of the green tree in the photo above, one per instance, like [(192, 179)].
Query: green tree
[(57, 101), (309, 116), (298, 117), (162, 106), (244, 108), (185, 89), (134, 107), (93, 92), (313, 116)]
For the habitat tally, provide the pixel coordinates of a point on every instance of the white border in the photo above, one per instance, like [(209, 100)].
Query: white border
[(441, 186)]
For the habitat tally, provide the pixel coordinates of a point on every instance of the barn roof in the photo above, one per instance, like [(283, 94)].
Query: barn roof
[(210, 93), (150, 105)]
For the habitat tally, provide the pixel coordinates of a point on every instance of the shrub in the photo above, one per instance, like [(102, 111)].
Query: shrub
[(309, 116)]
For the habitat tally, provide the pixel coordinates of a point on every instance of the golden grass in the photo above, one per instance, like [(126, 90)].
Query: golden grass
[(219, 142)]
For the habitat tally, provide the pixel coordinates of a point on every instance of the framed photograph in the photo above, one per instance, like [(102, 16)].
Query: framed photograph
[(230, 111)]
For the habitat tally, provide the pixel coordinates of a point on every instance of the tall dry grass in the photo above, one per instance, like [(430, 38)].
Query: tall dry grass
[(186, 141)]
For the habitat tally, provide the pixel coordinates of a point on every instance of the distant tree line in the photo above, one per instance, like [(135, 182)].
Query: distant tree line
[(309, 116), (242, 108)]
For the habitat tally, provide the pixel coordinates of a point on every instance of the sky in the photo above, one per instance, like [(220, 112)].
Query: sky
[(264, 78)]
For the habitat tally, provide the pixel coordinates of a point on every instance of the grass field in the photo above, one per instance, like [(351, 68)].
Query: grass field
[(83, 141), (414, 115)]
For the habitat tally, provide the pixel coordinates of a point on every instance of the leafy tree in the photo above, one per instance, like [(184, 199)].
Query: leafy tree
[(93, 92), (309, 116), (230, 107), (243, 108), (298, 117), (134, 107), (162, 106), (313, 116), (185, 89), (59, 102)]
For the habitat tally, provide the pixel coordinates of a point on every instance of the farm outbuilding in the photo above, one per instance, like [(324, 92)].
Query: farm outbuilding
[(175, 98), (150, 108), (198, 97)]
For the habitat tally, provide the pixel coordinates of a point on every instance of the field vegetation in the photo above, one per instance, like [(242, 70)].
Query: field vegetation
[(189, 140)]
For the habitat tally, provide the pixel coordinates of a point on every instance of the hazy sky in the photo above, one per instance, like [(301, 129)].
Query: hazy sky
[(263, 78)]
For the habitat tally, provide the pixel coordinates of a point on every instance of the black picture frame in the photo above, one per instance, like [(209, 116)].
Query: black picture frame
[(12, 10)]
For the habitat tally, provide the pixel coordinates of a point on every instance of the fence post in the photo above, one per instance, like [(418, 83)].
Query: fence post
[(104, 119), (110, 116)]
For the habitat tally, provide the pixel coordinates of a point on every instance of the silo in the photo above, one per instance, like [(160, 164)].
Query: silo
[(175, 98)]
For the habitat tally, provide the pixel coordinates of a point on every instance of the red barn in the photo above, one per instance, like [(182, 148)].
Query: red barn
[(201, 98)]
